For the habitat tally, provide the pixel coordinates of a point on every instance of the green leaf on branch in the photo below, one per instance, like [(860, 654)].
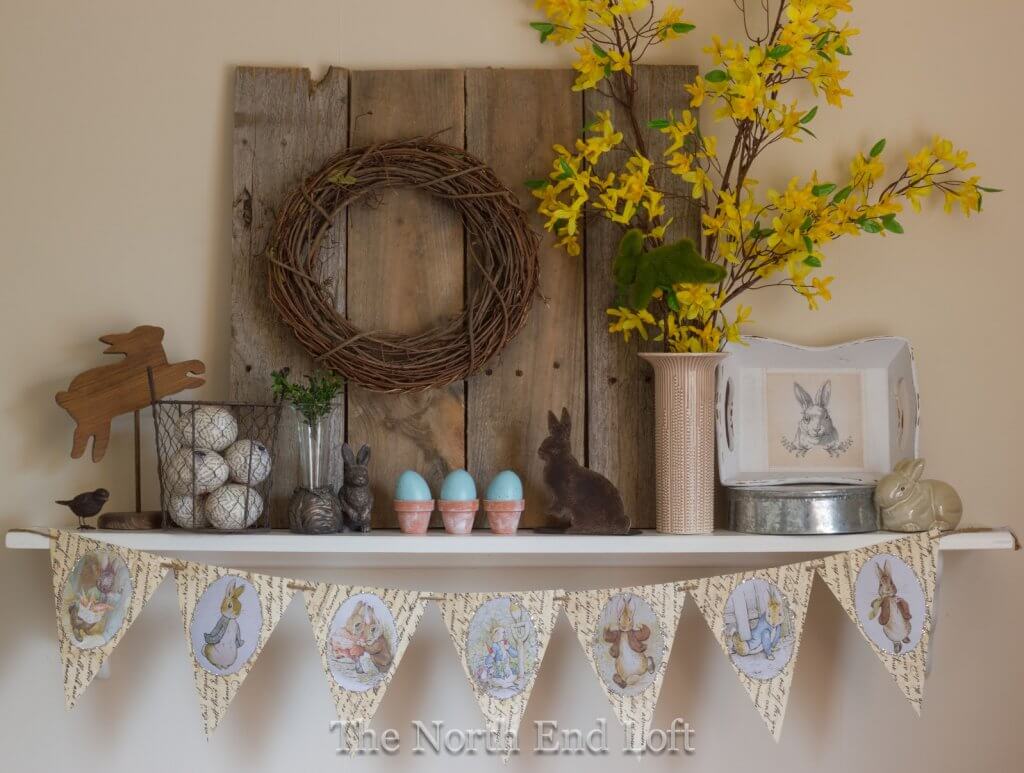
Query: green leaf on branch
[(545, 29), (682, 27), (671, 300), (989, 190), (717, 76), (806, 225), (638, 274), (824, 189), (779, 51), (810, 115), (891, 224), (843, 195), (812, 261), (807, 131), (566, 169), (877, 149), (600, 51), (870, 226), (536, 185), (808, 244), (844, 50), (659, 123)]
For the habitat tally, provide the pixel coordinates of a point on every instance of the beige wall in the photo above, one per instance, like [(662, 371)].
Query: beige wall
[(114, 210)]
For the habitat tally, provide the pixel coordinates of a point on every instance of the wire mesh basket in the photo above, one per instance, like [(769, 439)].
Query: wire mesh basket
[(215, 462)]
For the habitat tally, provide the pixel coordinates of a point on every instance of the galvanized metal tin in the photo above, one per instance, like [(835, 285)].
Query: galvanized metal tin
[(803, 508)]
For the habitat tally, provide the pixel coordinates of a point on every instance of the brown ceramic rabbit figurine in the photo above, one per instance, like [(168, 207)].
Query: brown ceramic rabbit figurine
[(584, 501), (355, 496)]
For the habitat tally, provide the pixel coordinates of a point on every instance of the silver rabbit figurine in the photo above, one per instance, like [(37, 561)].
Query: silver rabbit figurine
[(908, 503), (355, 495)]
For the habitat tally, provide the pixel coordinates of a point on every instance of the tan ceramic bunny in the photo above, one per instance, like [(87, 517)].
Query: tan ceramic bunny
[(908, 503)]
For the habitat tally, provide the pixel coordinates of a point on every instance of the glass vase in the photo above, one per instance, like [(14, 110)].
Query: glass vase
[(314, 507), (319, 439)]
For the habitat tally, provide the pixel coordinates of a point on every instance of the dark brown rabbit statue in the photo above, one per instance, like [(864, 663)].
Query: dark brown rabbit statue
[(356, 497), (583, 501)]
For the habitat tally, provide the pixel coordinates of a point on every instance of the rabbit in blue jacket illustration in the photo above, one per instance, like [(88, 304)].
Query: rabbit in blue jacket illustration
[(224, 641), (766, 633)]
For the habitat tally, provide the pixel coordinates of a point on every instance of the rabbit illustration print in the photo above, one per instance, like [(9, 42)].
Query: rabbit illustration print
[(814, 420), (629, 645), (502, 646), (890, 604), (759, 629), (95, 599), (226, 625), (362, 642)]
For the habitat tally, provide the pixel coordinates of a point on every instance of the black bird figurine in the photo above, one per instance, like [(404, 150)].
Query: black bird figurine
[(86, 505)]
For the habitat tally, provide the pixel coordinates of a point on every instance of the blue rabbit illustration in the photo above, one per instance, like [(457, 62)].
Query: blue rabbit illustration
[(765, 635)]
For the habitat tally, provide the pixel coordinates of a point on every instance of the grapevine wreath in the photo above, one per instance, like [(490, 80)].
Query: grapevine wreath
[(500, 244)]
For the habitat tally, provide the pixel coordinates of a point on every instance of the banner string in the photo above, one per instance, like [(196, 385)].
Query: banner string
[(176, 566)]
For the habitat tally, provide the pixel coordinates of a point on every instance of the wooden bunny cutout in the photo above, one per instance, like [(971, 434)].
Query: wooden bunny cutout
[(96, 396)]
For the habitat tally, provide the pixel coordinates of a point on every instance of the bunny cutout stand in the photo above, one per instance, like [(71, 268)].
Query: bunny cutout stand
[(584, 501)]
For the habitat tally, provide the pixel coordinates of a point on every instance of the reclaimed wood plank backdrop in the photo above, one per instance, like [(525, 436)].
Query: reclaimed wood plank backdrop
[(400, 264)]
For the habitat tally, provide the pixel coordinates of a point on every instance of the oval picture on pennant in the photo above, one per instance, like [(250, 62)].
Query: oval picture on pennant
[(629, 644), (758, 629), (362, 642), (501, 646), (95, 599), (890, 604), (226, 625)]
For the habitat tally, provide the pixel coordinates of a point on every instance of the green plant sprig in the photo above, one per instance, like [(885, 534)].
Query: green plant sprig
[(312, 399)]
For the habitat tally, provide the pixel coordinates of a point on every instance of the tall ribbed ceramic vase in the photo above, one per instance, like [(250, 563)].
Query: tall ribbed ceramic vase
[(684, 440)]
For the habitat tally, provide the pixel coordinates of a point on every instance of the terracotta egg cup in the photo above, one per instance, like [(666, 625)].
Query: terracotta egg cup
[(458, 515), (414, 517), (503, 515)]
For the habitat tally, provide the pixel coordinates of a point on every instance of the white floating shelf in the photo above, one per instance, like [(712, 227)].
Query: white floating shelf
[(483, 549)]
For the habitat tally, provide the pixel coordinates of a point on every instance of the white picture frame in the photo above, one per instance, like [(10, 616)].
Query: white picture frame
[(787, 413)]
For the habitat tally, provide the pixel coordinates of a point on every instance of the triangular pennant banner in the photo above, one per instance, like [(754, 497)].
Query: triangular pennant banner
[(758, 618), (99, 590), (228, 617), (888, 591), (627, 635), (501, 639), (362, 634)]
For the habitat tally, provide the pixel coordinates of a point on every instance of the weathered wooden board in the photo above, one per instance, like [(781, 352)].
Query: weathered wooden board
[(620, 388), (399, 264), (406, 272), (285, 127), (544, 367)]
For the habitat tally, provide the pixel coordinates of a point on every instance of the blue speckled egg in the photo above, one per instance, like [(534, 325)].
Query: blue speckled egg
[(458, 487), (411, 487), (506, 487)]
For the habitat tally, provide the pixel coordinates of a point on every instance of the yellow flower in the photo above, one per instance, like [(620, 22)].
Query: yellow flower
[(621, 61), (666, 25), (589, 67), (629, 320), (697, 91), (866, 170)]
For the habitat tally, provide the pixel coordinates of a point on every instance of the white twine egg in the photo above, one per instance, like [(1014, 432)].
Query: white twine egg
[(210, 472), (226, 508), (248, 462), (215, 428), (187, 511)]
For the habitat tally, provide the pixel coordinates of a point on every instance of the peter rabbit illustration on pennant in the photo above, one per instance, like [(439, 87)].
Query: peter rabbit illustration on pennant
[(362, 642), (226, 625), (759, 629), (628, 645), (890, 604)]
